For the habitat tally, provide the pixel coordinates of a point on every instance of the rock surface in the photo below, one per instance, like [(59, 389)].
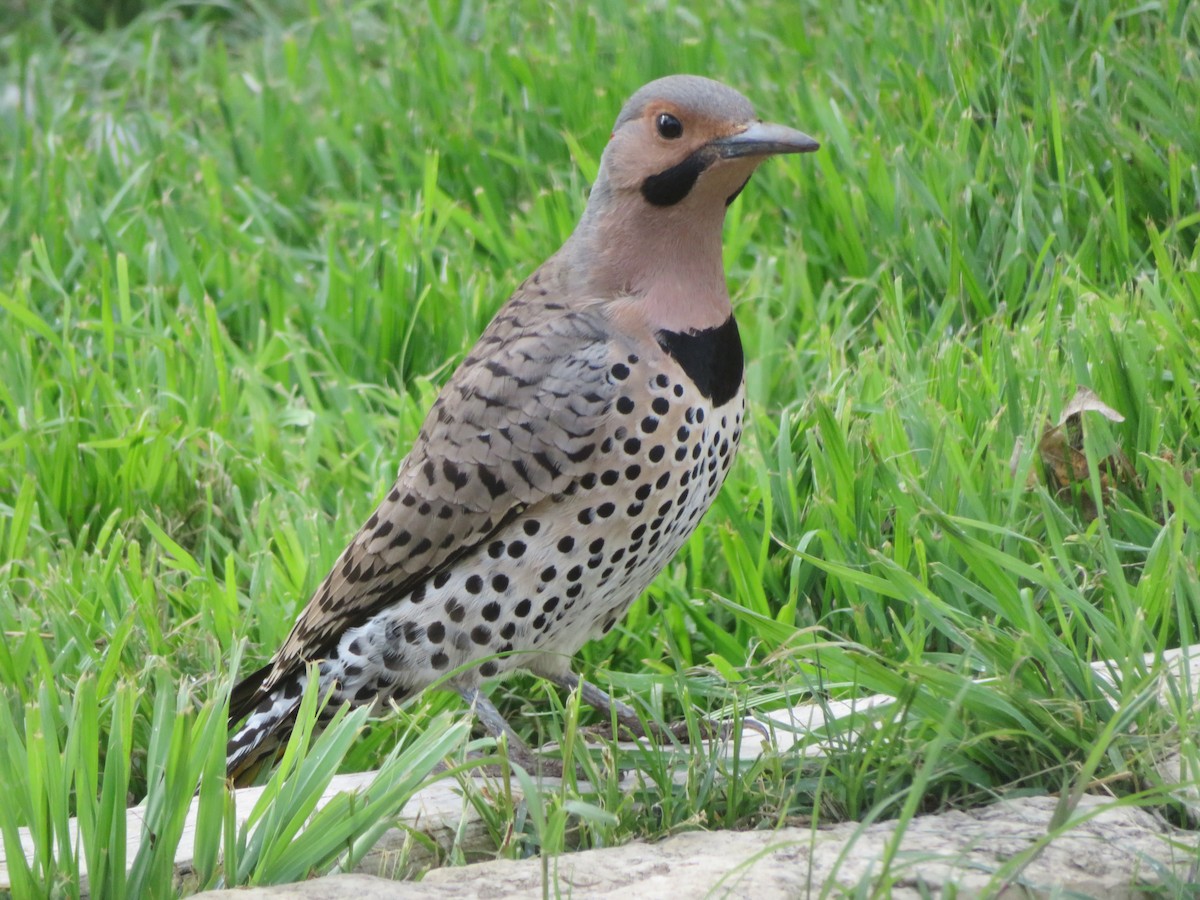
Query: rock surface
[(1107, 851)]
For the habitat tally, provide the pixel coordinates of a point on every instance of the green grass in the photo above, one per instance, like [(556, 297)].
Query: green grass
[(241, 246)]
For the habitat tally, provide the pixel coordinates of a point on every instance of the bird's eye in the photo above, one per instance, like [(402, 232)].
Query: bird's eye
[(669, 126)]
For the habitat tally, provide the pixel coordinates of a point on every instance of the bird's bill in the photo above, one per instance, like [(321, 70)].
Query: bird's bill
[(764, 139)]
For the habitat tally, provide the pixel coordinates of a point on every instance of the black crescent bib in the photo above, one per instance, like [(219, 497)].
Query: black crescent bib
[(711, 358)]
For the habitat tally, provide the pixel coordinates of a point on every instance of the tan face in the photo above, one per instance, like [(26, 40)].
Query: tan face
[(692, 142), (667, 153)]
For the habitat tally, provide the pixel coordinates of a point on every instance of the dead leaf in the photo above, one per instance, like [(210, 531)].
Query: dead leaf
[(1085, 400), (1065, 463)]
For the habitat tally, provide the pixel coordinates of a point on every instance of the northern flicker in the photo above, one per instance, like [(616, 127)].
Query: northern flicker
[(569, 456)]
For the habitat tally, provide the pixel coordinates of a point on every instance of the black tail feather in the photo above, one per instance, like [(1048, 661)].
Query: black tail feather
[(266, 718), (247, 694)]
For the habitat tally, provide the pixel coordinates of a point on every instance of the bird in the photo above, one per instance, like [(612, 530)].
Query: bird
[(567, 458)]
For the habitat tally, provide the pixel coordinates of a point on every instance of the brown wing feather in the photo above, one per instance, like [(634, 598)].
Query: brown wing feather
[(516, 423)]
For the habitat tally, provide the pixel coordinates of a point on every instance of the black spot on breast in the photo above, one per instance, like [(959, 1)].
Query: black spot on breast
[(671, 185), (711, 358)]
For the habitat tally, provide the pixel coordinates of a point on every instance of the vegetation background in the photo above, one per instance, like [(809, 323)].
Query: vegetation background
[(241, 245)]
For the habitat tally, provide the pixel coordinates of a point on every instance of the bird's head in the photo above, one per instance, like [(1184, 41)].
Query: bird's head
[(690, 142), (682, 149)]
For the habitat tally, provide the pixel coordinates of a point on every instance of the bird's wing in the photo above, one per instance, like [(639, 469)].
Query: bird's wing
[(517, 422)]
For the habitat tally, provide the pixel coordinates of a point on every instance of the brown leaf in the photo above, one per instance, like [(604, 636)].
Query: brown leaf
[(1064, 461), (1085, 400)]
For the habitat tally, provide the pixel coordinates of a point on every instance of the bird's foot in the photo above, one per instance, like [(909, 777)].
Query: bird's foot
[(705, 729), (631, 726)]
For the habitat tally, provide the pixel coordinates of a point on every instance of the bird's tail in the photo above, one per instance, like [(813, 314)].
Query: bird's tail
[(270, 716)]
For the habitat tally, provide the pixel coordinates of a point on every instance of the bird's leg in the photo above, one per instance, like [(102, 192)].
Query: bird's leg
[(628, 718), (518, 751), (597, 699), (625, 714)]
